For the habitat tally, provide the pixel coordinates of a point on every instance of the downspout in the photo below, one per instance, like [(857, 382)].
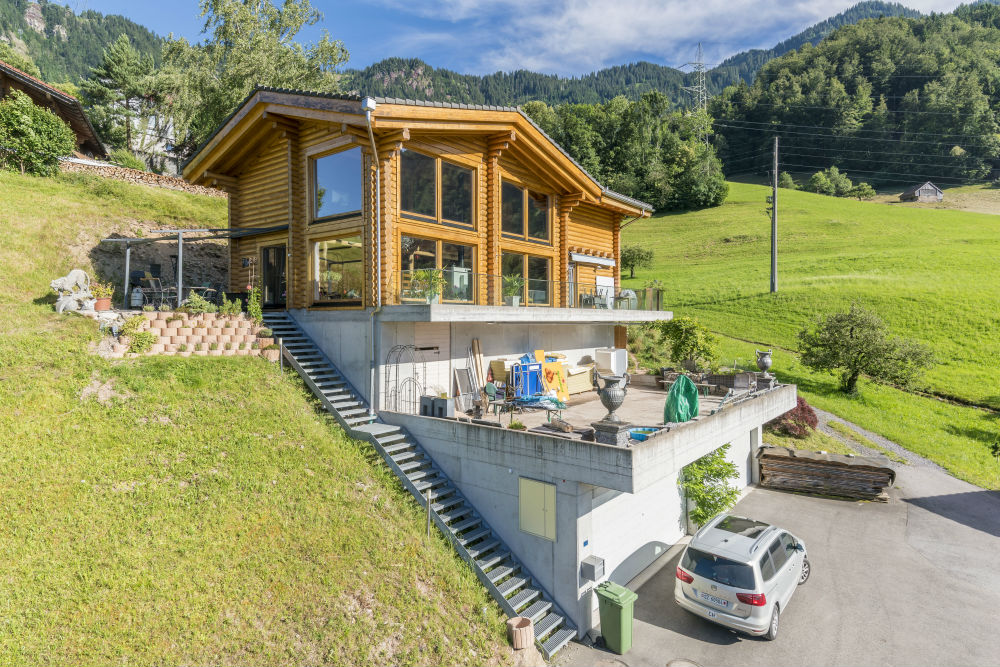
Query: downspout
[(368, 104)]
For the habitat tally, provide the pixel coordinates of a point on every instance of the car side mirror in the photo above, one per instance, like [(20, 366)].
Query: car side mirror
[(799, 547)]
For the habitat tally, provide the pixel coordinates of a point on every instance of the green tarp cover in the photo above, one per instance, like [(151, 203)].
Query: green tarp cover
[(682, 401)]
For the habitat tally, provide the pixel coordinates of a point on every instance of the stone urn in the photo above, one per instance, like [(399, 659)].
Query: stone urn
[(764, 360), (611, 393)]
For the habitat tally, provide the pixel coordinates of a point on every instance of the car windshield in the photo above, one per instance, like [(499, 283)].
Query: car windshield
[(719, 569)]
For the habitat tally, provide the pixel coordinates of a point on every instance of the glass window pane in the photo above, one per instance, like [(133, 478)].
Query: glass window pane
[(417, 186), (766, 568), (778, 555), (512, 283), (417, 253), (538, 280), (419, 278), (538, 216), (512, 264), (512, 209), (456, 193), (458, 272), (339, 269), (338, 183)]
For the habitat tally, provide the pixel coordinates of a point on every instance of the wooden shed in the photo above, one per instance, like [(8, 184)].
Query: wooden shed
[(61, 104), (927, 192)]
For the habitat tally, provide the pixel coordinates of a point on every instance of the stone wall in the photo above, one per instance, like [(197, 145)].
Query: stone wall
[(185, 335), (138, 177)]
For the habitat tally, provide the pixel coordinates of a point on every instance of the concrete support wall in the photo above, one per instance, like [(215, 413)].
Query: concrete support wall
[(344, 336)]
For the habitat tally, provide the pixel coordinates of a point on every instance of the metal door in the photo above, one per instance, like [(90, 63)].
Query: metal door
[(272, 275)]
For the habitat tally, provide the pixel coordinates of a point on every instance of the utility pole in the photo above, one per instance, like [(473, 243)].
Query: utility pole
[(774, 220)]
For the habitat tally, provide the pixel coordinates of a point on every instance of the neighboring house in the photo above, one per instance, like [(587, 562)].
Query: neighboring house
[(61, 104), (392, 229), (926, 192)]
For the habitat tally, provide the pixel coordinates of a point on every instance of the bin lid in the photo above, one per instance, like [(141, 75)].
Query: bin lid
[(613, 592)]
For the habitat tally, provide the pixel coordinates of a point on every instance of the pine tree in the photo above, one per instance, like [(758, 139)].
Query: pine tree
[(118, 92)]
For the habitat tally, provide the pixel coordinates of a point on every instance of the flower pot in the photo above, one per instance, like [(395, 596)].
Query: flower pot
[(172, 325), (184, 331), (520, 632), (264, 342), (215, 353), (103, 304), (270, 355), (214, 331)]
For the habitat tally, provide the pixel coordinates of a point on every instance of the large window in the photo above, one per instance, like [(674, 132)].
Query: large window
[(524, 213), (338, 271), (537, 508), (337, 185), (434, 190), (527, 278), (437, 270)]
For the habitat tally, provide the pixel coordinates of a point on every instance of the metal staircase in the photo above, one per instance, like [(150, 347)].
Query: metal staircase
[(508, 582)]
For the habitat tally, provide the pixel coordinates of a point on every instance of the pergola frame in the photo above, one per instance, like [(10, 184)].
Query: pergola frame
[(213, 234)]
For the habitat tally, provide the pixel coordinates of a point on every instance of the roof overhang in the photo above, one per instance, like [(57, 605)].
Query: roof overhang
[(265, 106)]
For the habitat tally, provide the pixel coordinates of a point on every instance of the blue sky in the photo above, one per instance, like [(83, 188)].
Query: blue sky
[(567, 37)]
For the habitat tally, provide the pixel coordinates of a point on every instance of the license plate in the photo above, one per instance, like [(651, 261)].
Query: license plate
[(711, 614), (714, 600)]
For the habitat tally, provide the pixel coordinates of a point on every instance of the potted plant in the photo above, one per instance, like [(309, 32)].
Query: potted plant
[(102, 292), (271, 352), (427, 283), (513, 289)]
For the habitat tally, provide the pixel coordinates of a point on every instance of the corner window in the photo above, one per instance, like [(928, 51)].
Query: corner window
[(337, 185), (524, 213), (338, 271), (527, 278), (433, 190), (537, 508)]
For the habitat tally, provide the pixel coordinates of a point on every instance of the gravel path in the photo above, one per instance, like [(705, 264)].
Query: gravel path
[(911, 458)]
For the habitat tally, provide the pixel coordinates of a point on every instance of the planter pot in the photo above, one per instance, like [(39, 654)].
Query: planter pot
[(102, 304), (150, 315), (214, 331), (228, 353), (169, 348), (264, 342), (194, 339), (173, 325), (270, 355), (156, 348), (201, 353), (512, 301), (215, 353), (185, 353), (184, 331), (242, 353), (520, 632)]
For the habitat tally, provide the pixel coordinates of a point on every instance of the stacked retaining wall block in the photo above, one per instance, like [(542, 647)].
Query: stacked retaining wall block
[(205, 335)]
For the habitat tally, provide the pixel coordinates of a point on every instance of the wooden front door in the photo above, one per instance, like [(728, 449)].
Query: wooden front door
[(273, 276)]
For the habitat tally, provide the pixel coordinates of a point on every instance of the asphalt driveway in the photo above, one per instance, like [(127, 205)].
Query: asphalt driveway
[(915, 581)]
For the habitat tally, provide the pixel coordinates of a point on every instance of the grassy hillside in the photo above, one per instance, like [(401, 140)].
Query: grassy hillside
[(196, 510), (931, 274)]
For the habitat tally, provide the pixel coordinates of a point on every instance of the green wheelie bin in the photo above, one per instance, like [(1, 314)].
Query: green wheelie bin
[(616, 603)]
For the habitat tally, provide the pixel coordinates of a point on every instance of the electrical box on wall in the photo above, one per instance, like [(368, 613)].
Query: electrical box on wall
[(592, 568), (245, 261)]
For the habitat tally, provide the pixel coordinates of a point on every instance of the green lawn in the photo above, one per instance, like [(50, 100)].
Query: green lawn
[(931, 274), (208, 513)]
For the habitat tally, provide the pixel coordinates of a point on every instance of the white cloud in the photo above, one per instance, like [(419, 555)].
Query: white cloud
[(579, 36)]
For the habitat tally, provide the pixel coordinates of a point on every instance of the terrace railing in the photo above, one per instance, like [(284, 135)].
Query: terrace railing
[(462, 286)]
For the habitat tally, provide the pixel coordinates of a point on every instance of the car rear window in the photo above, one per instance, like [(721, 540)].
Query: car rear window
[(718, 569)]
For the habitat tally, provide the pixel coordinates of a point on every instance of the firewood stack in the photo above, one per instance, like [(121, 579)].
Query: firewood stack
[(860, 477)]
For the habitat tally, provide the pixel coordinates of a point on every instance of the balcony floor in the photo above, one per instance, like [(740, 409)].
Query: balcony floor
[(444, 312), (642, 407)]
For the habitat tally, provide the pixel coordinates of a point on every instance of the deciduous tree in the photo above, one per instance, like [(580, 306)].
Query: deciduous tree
[(32, 139), (634, 257)]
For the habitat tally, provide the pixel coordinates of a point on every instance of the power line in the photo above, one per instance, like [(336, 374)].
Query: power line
[(823, 127), (773, 129), (871, 152), (881, 161), (873, 111), (889, 173)]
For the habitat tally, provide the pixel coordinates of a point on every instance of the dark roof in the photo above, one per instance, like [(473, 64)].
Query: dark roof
[(66, 106), (351, 97), (913, 190)]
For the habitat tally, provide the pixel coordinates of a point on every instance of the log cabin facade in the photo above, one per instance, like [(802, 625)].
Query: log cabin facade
[(477, 200)]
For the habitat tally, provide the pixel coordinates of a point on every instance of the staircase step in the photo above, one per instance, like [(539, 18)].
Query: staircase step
[(473, 535), (558, 639), (547, 625), (413, 465), (489, 546), (344, 404), (454, 501), (523, 597), (422, 473), (431, 483), (441, 492), (492, 559), (355, 421), (511, 585), (501, 571), (535, 611), (405, 456), (398, 447), (455, 514), (353, 412), (465, 525), (391, 439)]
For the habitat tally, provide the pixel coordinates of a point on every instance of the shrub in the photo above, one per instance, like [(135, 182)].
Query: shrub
[(102, 290), (797, 422), (126, 158), (264, 332), (516, 426), (182, 347), (229, 346), (786, 181), (196, 304), (148, 308), (862, 191), (230, 308), (138, 341), (688, 341), (272, 346), (33, 138), (820, 184), (254, 309), (706, 483), (213, 346), (165, 307)]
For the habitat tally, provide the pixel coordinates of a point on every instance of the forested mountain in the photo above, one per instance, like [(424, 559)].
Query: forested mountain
[(887, 100), (413, 78), (65, 45)]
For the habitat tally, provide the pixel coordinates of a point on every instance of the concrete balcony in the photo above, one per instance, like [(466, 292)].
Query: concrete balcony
[(447, 312)]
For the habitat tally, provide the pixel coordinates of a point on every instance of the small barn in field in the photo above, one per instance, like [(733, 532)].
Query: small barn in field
[(926, 192)]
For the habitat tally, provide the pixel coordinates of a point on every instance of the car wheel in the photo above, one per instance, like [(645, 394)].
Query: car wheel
[(772, 630), (806, 571)]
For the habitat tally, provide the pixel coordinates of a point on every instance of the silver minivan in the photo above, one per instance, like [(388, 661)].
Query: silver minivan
[(741, 574)]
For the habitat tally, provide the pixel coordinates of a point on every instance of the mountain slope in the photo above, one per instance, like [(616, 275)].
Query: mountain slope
[(63, 44), (414, 78)]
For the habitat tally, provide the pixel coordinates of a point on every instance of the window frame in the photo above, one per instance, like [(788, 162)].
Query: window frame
[(314, 218), (525, 259), (314, 271), (438, 260), (438, 218), (525, 213)]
